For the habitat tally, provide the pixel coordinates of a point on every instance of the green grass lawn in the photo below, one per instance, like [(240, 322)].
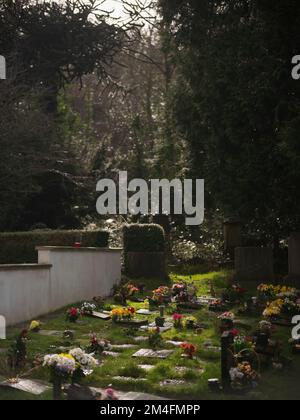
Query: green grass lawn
[(283, 384)]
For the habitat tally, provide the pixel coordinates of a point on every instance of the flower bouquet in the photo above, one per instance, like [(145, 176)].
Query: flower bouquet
[(73, 314), (98, 346), (177, 318), (234, 294), (35, 326), (85, 364), (160, 296), (241, 343), (61, 366), (243, 377), (88, 308), (189, 350), (227, 321)]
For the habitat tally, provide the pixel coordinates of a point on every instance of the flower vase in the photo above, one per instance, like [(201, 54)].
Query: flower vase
[(57, 388)]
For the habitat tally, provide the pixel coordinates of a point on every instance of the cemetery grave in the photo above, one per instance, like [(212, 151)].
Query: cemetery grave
[(177, 360)]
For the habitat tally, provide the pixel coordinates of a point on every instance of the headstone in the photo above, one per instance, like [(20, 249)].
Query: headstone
[(167, 326), (254, 264), (232, 230), (294, 258), (151, 354)]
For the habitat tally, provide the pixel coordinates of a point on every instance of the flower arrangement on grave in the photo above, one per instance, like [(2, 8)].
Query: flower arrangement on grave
[(88, 308), (190, 323), (98, 346), (227, 320), (243, 376), (265, 327), (160, 295), (73, 314), (125, 292), (241, 342), (234, 293), (123, 314), (85, 363), (155, 338), (216, 305), (178, 318), (269, 291), (274, 309), (61, 365), (189, 350), (290, 307), (35, 326)]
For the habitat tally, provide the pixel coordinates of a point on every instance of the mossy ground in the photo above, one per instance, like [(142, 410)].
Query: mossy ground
[(283, 384)]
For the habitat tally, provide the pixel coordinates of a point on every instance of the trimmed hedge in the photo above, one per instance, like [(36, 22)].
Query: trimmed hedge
[(19, 247), (144, 238)]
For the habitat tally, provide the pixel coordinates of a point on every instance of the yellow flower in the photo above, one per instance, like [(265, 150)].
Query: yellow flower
[(34, 325)]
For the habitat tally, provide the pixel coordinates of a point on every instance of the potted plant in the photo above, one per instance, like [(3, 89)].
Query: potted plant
[(227, 321), (177, 318), (35, 326), (88, 308), (189, 350), (73, 314)]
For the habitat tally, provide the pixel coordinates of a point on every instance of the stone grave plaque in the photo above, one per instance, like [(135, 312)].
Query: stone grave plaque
[(26, 385), (175, 343), (173, 382), (151, 354), (101, 315), (140, 339), (123, 346), (146, 312), (128, 379), (147, 368), (110, 354), (50, 333)]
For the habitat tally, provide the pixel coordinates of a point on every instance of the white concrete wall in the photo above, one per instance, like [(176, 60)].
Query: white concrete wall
[(24, 292), (62, 277)]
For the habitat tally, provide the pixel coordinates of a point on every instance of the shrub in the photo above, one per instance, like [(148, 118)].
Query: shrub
[(144, 238), (19, 247)]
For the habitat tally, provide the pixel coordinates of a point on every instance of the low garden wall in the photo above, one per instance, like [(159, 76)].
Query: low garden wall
[(62, 276)]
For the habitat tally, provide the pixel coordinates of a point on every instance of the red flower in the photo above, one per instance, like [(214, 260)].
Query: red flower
[(177, 317), (235, 332)]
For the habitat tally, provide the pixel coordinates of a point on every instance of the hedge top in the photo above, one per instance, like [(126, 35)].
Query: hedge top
[(144, 238), (20, 247)]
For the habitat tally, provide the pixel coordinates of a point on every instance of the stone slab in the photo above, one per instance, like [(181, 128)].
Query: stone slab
[(110, 354), (123, 346), (50, 333), (146, 312), (101, 315), (26, 385), (151, 354)]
